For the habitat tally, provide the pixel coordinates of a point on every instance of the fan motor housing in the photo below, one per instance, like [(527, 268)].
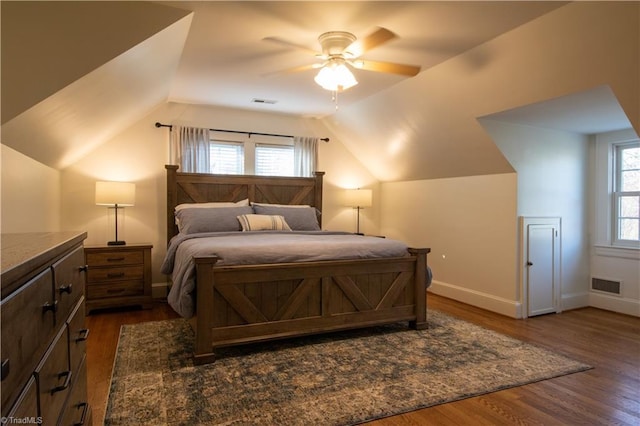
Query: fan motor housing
[(335, 42)]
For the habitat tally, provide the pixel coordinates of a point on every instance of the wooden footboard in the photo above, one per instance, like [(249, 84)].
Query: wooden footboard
[(250, 303)]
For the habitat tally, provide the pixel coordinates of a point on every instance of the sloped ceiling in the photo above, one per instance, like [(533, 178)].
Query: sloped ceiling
[(427, 127), (74, 74)]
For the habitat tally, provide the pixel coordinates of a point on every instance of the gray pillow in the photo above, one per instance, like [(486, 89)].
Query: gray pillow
[(219, 219), (298, 218)]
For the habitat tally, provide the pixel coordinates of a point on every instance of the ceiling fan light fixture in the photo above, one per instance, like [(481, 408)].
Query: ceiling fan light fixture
[(335, 77)]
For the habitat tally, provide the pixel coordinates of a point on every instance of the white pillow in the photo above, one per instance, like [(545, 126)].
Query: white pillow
[(280, 205), (244, 202), (263, 222)]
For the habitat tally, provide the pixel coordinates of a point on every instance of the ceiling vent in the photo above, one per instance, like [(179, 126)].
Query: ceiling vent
[(263, 101)]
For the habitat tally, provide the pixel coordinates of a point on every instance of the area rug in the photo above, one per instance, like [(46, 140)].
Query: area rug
[(333, 379)]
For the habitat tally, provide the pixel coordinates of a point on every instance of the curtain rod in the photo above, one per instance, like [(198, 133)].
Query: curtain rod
[(170, 126)]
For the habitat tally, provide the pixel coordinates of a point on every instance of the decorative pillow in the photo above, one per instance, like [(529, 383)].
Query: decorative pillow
[(281, 205), (218, 219), (263, 222), (298, 218), (244, 202)]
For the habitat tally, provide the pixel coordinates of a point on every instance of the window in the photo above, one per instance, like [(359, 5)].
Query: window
[(250, 157), (274, 160), (226, 157), (626, 194)]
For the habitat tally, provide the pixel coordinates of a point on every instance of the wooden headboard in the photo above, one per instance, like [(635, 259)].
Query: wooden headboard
[(202, 188)]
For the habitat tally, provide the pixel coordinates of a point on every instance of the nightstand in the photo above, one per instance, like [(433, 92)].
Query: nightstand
[(118, 276)]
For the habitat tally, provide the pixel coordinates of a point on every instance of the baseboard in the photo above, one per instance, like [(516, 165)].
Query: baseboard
[(159, 290), (615, 304), (510, 308), (575, 301)]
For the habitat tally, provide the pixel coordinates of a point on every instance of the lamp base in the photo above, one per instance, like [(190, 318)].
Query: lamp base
[(116, 243)]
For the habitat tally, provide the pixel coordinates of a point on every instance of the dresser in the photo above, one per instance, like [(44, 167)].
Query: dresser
[(118, 276), (43, 348)]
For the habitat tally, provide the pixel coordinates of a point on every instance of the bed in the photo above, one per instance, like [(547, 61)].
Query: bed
[(235, 303)]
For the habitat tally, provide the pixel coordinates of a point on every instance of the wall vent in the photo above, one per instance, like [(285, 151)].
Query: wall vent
[(607, 286)]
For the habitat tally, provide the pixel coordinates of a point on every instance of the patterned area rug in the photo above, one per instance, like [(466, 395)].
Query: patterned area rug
[(334, 379)]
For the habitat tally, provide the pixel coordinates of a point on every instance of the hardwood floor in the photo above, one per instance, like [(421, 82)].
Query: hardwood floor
[(606, 395)]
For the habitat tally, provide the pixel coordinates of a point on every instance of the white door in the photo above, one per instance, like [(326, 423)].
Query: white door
[(542, 265)]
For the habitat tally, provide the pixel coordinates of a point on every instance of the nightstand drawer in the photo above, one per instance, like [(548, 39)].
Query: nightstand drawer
[(115, 258), (117, 289), (118, 276), (115, 274)]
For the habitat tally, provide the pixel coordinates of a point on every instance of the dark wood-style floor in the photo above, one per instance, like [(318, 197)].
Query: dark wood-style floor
[(606, 395)]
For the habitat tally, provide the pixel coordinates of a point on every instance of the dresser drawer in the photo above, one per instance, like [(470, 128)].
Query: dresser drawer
[(115, 258), (54, 378), (116, 289), (78, 411), (115, 274), (28, 324), (68, 278), (27, 405), (77, 335)]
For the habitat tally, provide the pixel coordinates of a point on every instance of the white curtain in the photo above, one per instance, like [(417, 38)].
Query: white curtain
[(190, 149), (305, 154)]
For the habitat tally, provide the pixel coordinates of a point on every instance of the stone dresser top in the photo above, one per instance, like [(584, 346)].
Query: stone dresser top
[(24, 253)]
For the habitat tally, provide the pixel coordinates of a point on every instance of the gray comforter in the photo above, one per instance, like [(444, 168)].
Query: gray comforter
[(259, 247)]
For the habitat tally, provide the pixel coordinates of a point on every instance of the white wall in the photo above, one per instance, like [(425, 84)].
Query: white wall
[(139, 154), (425, 127), (30, 194), (609, 262), (470, 225), (553, 181)]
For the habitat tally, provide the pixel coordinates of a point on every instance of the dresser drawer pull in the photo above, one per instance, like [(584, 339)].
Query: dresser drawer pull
[(82, 335), (85, 410), (83, 268), (67, 382), (115, 259), (66, 288), (118, 275), (5, 368), (53, 307)]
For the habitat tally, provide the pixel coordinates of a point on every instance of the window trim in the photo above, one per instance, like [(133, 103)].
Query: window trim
[(617, 194), (249, 144)]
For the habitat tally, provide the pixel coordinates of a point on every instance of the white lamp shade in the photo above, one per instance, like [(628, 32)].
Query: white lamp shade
[(359, 197), (112, 193)]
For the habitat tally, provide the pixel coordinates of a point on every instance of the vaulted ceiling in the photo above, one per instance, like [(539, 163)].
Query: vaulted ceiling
[(74, 74)]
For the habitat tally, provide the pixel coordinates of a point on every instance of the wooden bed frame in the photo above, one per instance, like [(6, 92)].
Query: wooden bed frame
[(249, 303)]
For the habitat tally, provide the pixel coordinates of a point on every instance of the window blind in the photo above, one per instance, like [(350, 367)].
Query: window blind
[(274, 160)]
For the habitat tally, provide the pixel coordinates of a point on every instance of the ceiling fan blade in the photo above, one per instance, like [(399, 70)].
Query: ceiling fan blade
[(294, 69), (286, 43), (388, 67), (376, 38)]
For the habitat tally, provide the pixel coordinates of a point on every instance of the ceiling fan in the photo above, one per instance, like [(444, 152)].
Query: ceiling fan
[(341, 48)]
